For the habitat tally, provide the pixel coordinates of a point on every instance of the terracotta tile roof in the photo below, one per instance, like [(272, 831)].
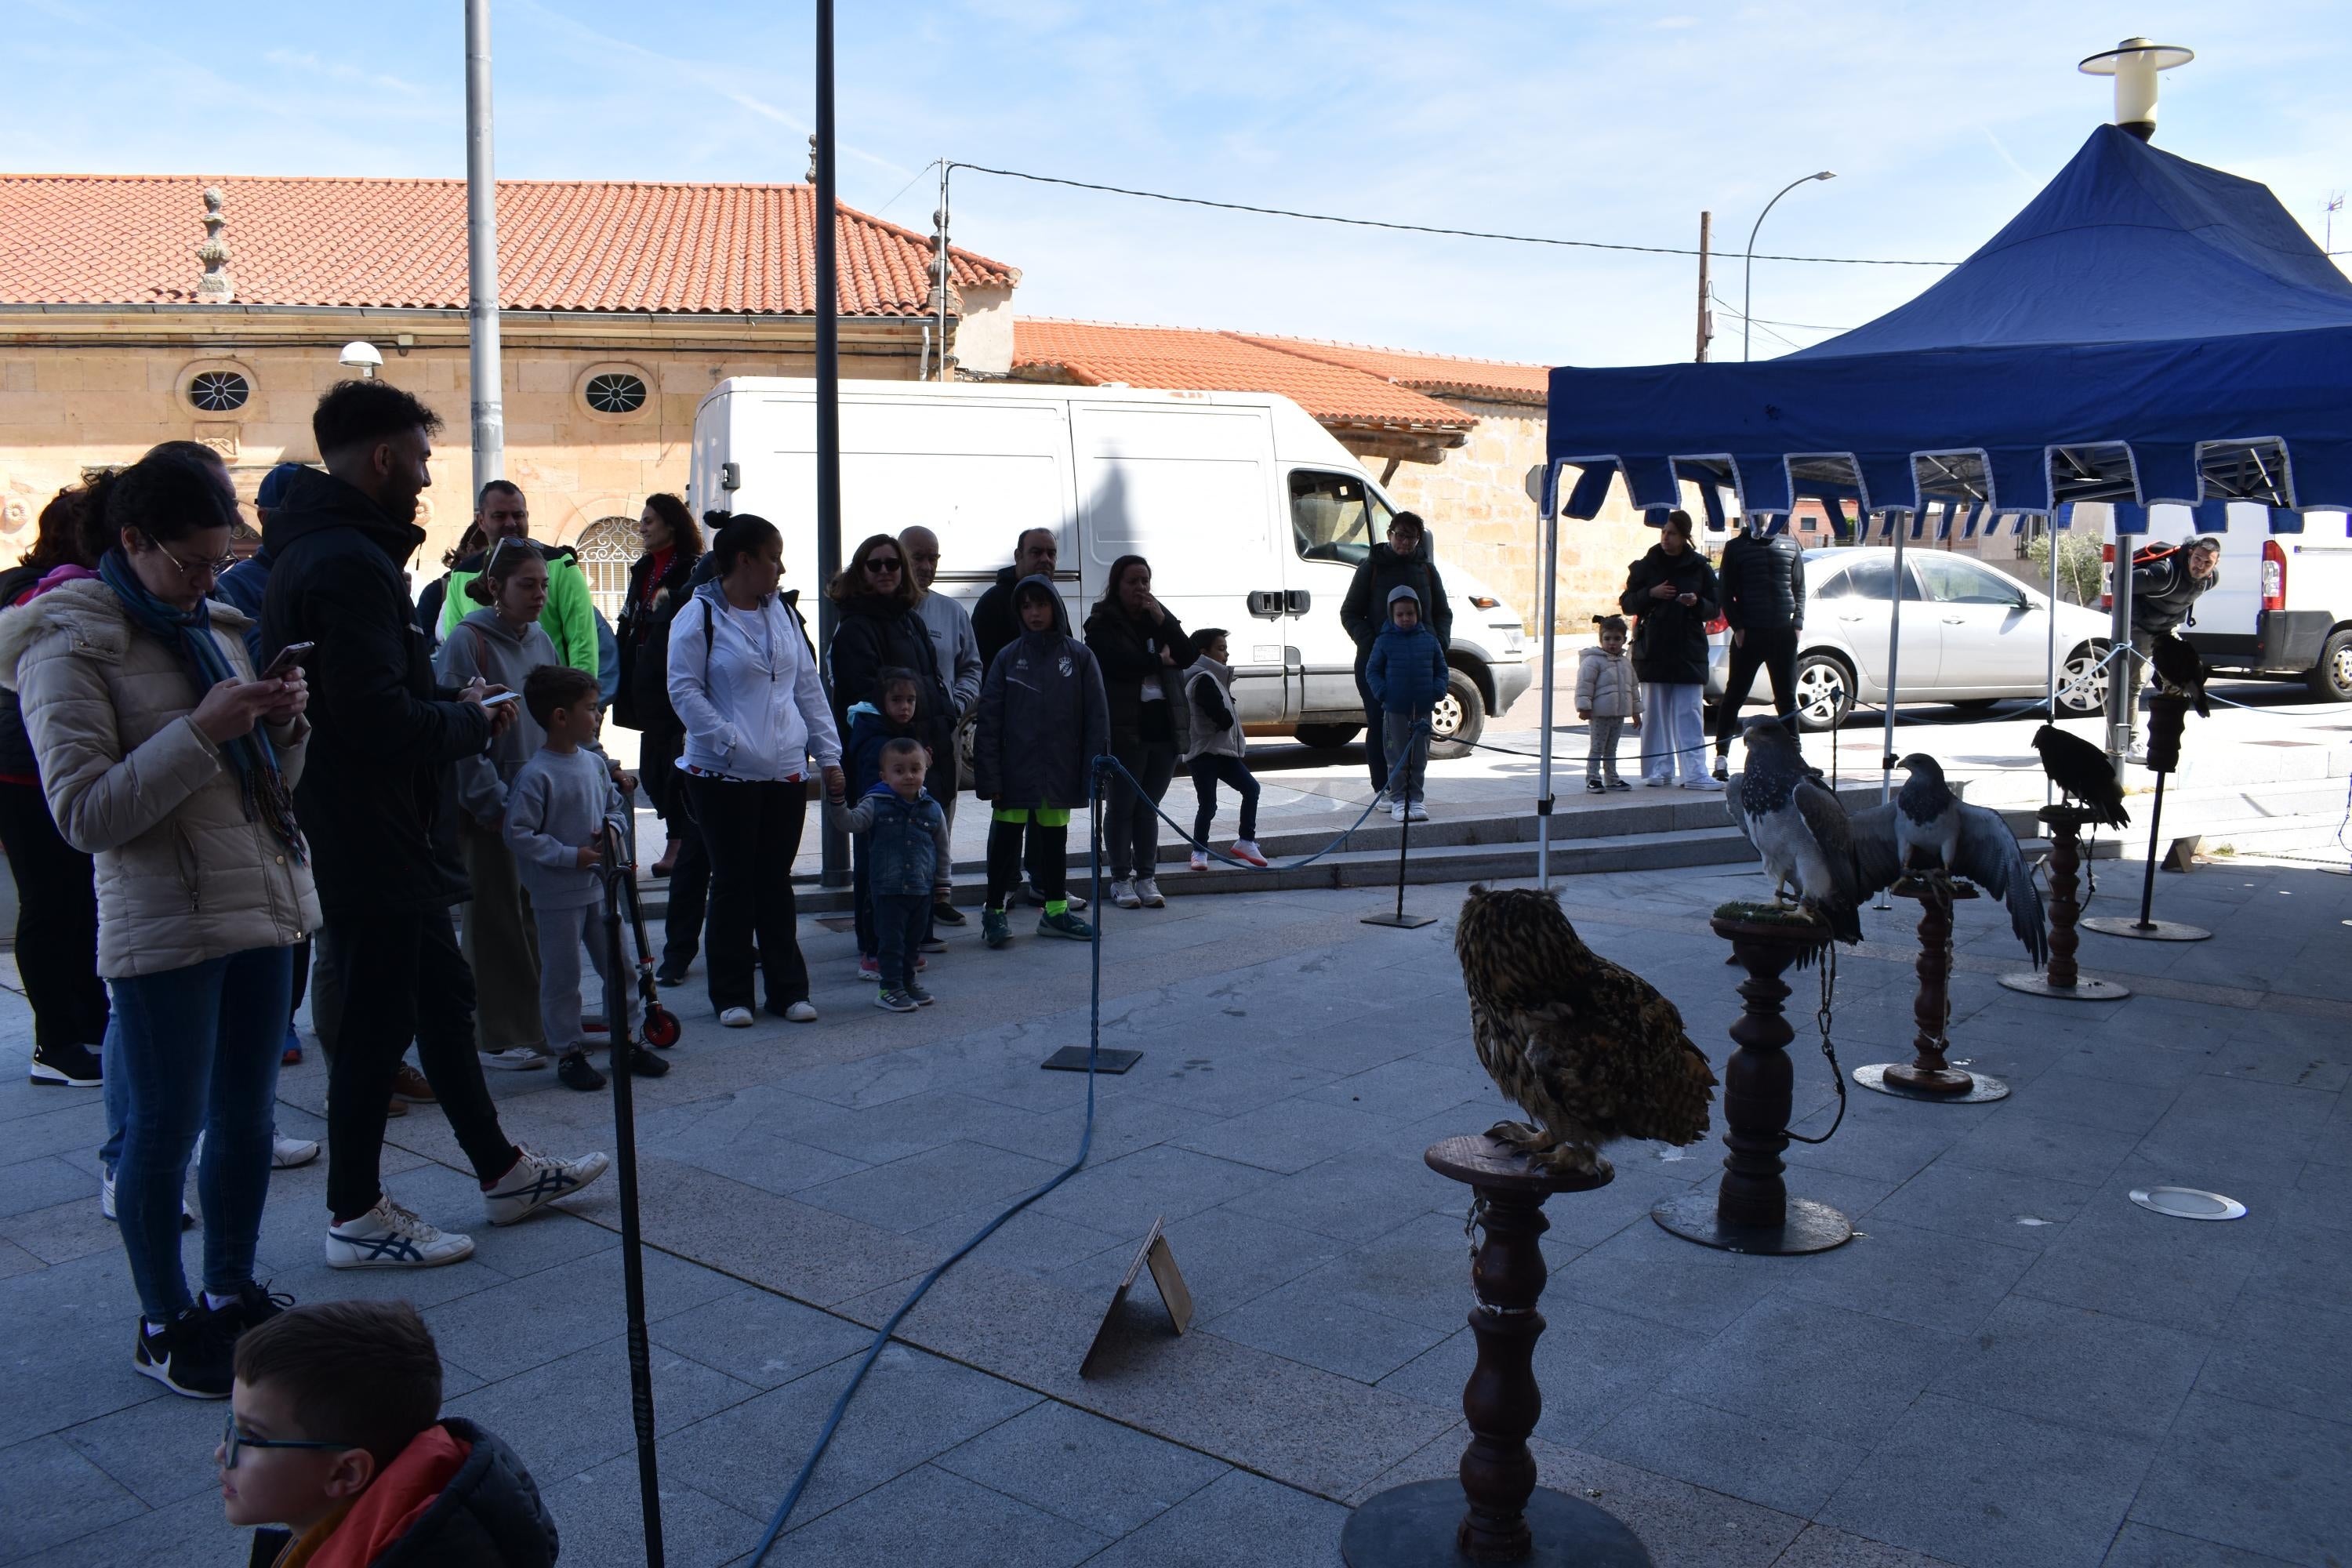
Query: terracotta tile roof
[(1438, 374), (1092, 352), (563, 245)]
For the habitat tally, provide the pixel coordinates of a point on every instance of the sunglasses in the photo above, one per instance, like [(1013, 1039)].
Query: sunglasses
[(232, 1440), (878, 563)]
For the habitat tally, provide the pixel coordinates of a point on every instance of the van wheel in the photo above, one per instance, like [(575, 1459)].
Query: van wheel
[(1458, 719), (1326, 736), (2331, 678), (1825, 692)]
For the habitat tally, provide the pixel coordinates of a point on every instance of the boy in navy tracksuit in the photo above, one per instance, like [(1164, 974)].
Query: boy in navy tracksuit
[(907, 858), (1406, 673)]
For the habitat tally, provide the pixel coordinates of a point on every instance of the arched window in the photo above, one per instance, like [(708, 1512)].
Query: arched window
[(607, 548)]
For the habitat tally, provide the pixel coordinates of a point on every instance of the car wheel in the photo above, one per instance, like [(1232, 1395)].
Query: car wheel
[(2331, 678), (2083, 683), (1824, 692), (1326, 736), (1458, 719)]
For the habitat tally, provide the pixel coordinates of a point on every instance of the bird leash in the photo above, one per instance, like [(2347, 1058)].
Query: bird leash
[(1822, 1017)]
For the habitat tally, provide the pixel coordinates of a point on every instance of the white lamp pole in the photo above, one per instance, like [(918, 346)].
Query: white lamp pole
[(488, 417), (1748, 273)]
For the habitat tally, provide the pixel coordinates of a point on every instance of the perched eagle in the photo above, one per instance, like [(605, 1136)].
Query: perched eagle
[(1927, 827), (1587, 1048), (2179, 670), (2083, 774), (1797, 823)]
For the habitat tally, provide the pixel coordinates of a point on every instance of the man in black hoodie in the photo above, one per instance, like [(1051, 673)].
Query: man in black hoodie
[(1404, 561), (1762, 580), (383, 736)]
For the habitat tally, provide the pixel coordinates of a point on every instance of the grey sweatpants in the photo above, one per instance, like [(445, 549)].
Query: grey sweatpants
[(1601, 753), (563, 934), (1408, 751)]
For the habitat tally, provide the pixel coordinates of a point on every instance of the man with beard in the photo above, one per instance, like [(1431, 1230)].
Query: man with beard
[(570, 618)]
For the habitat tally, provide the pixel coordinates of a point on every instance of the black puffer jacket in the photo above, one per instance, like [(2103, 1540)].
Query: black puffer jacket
[(875, 633), (2164, 593), (490, 1515), (1365, 610), (644, 635), (1043, 720), (1670, 642), (993, 624), (385, 732), (1763, 583), (1128, 652)]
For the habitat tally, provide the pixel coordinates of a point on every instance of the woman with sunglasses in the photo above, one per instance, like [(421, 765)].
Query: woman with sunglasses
[(166, 759), (879, 629)]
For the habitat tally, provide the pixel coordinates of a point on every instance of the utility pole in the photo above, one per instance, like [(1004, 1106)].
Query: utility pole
[(939, 273), (835, 872), (488, 417), (1706, 327)]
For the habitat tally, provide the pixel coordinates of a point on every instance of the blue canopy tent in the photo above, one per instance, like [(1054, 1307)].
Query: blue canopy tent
[(2147, 330)]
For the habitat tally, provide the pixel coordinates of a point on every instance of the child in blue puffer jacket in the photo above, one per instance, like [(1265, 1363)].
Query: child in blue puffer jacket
[(908, 861), (1407, 674)]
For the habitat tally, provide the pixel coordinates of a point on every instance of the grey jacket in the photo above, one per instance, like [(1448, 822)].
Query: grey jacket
[(1605, 687), (486, 645), (957, 646), (555, 804), (1210, 738), (1043, 718), (183, 876)]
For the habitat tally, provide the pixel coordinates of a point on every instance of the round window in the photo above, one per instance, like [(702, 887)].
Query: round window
[(219, 391), (615, 392)]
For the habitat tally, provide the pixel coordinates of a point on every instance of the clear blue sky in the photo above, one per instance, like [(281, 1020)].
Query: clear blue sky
[(1594, 119)]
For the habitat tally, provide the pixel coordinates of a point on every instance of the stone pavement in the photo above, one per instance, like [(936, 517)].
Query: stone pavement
[(2012, 1364)]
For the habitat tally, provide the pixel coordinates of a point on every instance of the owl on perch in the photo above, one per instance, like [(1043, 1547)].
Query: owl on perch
[(1587, 1048)]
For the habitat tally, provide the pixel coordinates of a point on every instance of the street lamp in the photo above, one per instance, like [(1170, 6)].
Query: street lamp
[(361, 356), (1747, 275)]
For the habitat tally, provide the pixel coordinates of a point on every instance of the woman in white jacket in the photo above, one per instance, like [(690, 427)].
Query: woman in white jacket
[(743, 680), (164, 758)]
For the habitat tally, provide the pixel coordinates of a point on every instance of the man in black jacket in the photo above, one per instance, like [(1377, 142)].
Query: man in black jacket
[(2167, 581), (1762, 578), (995, 628), (383, 736), (1404, 561)]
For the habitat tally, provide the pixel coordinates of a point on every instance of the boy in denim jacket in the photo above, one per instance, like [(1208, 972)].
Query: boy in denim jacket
[(908, 861)]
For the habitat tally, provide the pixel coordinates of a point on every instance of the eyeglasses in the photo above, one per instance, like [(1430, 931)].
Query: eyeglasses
[(232, 1440), (189, 569), (879, 563)]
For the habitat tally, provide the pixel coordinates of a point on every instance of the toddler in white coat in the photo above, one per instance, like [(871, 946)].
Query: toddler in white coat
[(1609, 698)]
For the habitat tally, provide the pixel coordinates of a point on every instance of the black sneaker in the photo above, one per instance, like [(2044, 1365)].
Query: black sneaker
[(1594, 786), (73, 1066), (574, 1070), (255, 1305), (191, 1355), (948, 915), (670, 976), (1722, 767), (644, 1064)]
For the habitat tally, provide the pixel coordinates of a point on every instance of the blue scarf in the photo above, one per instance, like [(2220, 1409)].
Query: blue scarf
[(261, 784)]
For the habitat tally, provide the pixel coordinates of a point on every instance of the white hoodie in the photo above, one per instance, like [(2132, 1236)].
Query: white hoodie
[(745, 685)]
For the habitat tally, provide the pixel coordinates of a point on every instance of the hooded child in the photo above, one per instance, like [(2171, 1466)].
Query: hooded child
[(1043, 720)]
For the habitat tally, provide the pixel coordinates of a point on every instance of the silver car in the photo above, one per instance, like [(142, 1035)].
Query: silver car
[(1971, 636)]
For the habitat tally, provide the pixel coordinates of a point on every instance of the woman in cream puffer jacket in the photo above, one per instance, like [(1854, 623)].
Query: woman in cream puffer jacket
[(164, 757)]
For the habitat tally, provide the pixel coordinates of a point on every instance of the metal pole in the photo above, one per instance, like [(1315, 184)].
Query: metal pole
[(2147, 878), (2120, 653), (488, 399), (1901, 521), (1706, 227), (1747, 275), (941, 268), (1550, 680), (618, 970), (835, 843), (2050, 533)]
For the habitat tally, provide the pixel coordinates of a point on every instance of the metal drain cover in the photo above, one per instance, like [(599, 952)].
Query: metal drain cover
[(2188, 1203)]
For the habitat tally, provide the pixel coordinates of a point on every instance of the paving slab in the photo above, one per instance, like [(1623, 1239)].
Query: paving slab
[(1106, 1477), (2253, 1478)]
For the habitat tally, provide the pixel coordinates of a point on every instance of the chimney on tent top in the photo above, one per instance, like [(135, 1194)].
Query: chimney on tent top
[(2133, 64)]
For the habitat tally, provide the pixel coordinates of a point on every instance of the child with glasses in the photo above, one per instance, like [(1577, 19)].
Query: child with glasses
[(335, 1439)]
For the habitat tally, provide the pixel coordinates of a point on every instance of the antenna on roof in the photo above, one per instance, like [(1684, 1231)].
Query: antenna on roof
[(2133, 64), (216, 286)]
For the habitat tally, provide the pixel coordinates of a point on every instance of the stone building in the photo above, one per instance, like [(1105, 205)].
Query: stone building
[(144, 308)]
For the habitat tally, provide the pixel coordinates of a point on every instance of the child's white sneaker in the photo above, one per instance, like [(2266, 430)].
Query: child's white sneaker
[(1248, 849), (1122, 893), (1199, 862)]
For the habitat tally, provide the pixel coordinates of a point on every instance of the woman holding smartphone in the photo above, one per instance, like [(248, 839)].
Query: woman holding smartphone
[(1142, 649), (164, 758)]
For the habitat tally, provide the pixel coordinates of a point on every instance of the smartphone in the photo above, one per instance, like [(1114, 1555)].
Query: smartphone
[(502, 698), (289, 656)]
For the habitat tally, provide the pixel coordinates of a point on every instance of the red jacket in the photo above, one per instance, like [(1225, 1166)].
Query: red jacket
[(456, 1497)]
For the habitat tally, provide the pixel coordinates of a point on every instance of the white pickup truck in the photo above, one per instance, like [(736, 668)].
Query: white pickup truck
[(2283, 605)]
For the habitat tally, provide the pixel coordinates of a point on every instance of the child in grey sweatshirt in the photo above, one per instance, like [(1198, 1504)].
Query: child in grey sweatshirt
[(557, 808)]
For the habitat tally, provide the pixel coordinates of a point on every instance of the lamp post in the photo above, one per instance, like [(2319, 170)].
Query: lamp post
[(1747, 274)]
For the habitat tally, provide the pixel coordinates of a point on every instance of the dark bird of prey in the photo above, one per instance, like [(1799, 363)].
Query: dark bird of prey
[(1927, 827), (2179, 670), (2083, 774), (1797, 823), (1587, 1048)]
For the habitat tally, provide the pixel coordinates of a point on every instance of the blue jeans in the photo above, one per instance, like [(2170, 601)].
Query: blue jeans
[(900, 923), (196, 1050)]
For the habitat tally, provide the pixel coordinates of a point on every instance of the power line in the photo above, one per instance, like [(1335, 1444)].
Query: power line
[(1418, 228), (1768, 321)]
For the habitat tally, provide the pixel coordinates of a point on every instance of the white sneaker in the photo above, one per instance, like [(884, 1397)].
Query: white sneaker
[(735, 1017), (1657, 780), (1416, 812), (1198, 861), (801, 1012), (1147, 890), (285, 1153), (1123, 894), (1396, 812), (514, 1058), (537, 1181), (106, 1200), (1248, 849), (390, 1237), (1714, 785)]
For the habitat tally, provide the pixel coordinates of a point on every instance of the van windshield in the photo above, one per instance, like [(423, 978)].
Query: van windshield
[(1335, 517)]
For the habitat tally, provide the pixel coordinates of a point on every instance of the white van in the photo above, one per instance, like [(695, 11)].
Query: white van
[(1253, 517), (2283, 605)]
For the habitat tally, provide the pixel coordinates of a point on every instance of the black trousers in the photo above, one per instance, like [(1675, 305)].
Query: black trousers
[(402, 977), (689, 892), (752, 831), (57, 922), (1048, 859), (1376, 756), (1774, 651)]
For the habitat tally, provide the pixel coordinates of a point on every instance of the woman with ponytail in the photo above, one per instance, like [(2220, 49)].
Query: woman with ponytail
[(165, 758)]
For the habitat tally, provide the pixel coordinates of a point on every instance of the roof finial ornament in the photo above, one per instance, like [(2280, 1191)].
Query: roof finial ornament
[(811, 174), (216, 286)]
